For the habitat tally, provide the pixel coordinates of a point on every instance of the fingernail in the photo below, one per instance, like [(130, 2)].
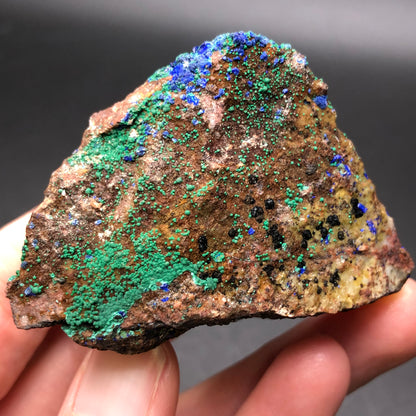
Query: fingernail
[(115, 384)]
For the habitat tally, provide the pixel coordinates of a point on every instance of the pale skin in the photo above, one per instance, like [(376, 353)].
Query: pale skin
[(308, 370)]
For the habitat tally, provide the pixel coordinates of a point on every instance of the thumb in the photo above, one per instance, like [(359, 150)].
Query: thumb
[(108, 383)]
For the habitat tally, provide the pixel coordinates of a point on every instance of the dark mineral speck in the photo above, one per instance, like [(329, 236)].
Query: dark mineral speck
[(256, 211), (277, 238), (232, 232), (202, 243), (252, 179), (269, 203), (333, 220), (335, 278), (356, 209), (268, 269), (341, 235), (216, 274), (204, 275), (306, 234)]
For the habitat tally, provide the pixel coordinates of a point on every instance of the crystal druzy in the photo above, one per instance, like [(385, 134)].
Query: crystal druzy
[(219, 189)]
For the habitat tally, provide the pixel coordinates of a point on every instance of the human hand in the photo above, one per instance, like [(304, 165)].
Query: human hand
[(308, 370)]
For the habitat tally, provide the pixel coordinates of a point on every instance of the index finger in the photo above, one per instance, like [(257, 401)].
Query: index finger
[(16, 345)]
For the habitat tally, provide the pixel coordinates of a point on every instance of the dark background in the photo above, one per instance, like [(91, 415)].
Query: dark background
[(61, 60)]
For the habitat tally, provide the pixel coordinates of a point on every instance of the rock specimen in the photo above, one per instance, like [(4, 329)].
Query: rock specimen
[(220, 189)]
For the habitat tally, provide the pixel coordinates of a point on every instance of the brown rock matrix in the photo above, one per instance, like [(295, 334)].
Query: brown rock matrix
[(220, 189)]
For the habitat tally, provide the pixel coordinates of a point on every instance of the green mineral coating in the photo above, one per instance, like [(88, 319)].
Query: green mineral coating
[(217, 256), (292, 201), (36, 289), (160, 73), (209, 283), (116, 286)]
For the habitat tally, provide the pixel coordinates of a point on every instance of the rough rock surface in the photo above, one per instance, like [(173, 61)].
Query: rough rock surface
[(220, 189)]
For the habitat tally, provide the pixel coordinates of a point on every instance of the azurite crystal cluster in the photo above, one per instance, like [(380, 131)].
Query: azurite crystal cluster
[(219, 189)]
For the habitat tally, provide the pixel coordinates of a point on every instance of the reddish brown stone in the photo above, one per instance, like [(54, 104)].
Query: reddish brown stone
[(218, 190)]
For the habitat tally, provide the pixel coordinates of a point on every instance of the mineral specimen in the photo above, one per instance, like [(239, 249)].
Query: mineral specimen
[(220, 189)]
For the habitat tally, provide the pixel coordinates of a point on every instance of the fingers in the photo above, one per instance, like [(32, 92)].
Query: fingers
[(237, 381), (376, 338), (310, 377), (42, 387), (108, 383), (16, 345)]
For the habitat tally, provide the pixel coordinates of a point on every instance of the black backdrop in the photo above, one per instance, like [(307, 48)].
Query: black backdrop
[(60, 61)]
